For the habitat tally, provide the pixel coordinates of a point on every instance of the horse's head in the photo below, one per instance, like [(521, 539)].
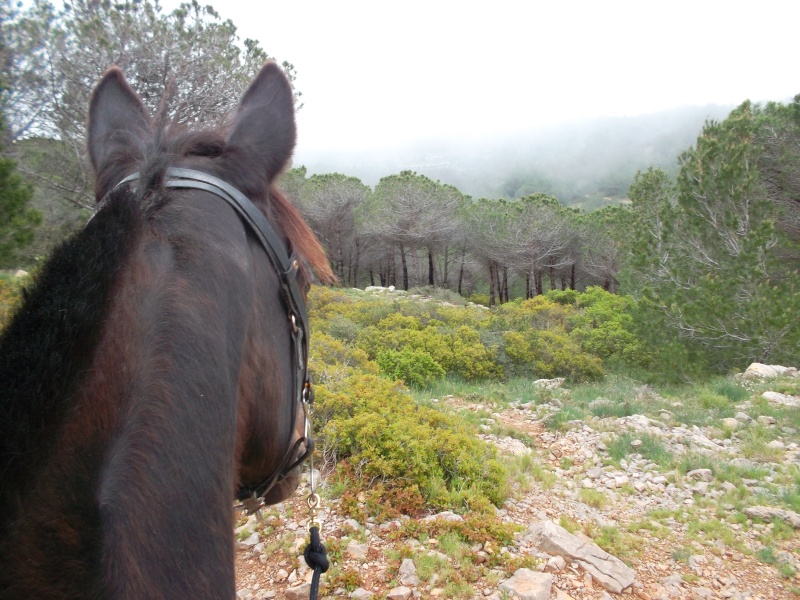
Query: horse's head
[(254, 290)]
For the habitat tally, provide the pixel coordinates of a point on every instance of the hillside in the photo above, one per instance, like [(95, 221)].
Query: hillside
[(705, 530), (609, 486), (581, 163)]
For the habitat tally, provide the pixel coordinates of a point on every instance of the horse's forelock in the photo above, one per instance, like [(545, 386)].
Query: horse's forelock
[(207, 151)]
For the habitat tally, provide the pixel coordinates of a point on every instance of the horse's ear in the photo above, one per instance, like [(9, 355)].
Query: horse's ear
[(264, 127), (118, 121)]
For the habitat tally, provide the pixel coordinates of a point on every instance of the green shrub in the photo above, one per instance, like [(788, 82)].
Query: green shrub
[(10, 296), (482, 299), (565, 297), (459, 352), (413, 367), (385, 436), (470, 358), (551, 353), (604, 326), (537, 313), (330, 359)]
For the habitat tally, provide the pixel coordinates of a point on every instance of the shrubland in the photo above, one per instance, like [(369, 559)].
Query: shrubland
[(369, 351)]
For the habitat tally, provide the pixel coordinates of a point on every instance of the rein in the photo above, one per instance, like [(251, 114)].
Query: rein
[(287, 268)]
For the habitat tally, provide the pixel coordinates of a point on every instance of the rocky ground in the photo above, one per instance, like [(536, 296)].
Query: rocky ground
[(674, 537)]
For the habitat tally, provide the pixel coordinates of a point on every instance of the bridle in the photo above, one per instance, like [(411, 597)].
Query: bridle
[(287, 267)]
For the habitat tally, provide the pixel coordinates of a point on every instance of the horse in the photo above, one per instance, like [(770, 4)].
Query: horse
[(156, 369)]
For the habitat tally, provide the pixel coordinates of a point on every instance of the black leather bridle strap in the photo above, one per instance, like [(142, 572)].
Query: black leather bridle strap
[(286, 267)]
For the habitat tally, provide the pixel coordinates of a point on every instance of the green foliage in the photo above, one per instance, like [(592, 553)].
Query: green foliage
[(10, 296), (551, 353), (605, 326), (412, 367), (651, 448), (714, 252), (404, 344), (385, 436), (565, 297), (19, 220)]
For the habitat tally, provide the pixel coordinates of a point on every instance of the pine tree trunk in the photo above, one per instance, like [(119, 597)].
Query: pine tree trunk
[(492, 284), (356, 260), (405, 267), (430, 267), (445, 281)]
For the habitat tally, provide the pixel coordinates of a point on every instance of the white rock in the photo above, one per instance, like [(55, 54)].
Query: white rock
[(760, 371), (782, 399), (399, 593), (301, 592), (528, 585), (356, 550), (408, 572)]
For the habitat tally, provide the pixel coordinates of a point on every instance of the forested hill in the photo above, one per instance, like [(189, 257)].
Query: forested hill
[(581, 163)]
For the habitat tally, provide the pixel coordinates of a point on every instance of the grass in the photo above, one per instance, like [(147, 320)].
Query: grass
[(617, 542), (769, 556), (657, 530), (594, 498), (711, 530), (649, 447), (428, 564), (489, 393)]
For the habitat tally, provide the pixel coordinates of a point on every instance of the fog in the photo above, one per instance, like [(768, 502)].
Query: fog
[(581, 163), (488, 95)]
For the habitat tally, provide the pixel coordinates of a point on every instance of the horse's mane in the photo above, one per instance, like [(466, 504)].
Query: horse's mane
[(48, 346)]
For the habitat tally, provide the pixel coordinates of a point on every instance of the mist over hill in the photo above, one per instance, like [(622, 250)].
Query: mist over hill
[(586, 164)]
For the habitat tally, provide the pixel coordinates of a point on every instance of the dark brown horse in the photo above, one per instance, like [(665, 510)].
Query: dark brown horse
[(152, 372)]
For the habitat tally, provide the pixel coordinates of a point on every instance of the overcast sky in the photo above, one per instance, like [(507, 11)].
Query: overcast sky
[(377, 73)]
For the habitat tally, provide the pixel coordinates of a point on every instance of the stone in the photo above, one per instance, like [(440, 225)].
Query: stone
[(555, 564), (549, 384), (251, 540), (447, 515), (700, 475), (301, 592), (767, 513), (359, 593), (760, 371), (356, 550), (782, 399), (408, 572), (528, 585), (399, 593), (607, 570)]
